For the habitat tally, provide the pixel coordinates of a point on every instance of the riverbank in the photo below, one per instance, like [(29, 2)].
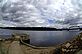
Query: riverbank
[(73, 46)]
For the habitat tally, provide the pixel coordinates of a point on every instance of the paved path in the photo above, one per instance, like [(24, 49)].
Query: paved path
[(15, 48), (2, 49)]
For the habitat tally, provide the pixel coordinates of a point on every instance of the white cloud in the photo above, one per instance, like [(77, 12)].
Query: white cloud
[(30, 13)]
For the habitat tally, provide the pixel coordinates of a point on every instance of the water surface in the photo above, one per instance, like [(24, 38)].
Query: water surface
[(43, 38)]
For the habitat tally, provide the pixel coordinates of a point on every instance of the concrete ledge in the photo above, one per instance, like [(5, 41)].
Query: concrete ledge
[(35, 47)]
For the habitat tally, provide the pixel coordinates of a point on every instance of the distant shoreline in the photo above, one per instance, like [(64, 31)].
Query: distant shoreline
[(39, 28)]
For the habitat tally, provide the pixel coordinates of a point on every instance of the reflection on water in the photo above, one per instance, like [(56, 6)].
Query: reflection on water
[(44, 38)]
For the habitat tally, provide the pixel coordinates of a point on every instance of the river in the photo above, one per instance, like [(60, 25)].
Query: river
[(43, 38)]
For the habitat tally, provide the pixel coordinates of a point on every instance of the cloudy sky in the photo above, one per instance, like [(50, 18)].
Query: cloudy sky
[(40, 13)]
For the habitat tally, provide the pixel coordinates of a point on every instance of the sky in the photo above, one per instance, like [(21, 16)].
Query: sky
[(40, 13)]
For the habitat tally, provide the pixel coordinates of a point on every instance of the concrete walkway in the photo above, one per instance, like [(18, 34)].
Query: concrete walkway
[(15, 48)]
